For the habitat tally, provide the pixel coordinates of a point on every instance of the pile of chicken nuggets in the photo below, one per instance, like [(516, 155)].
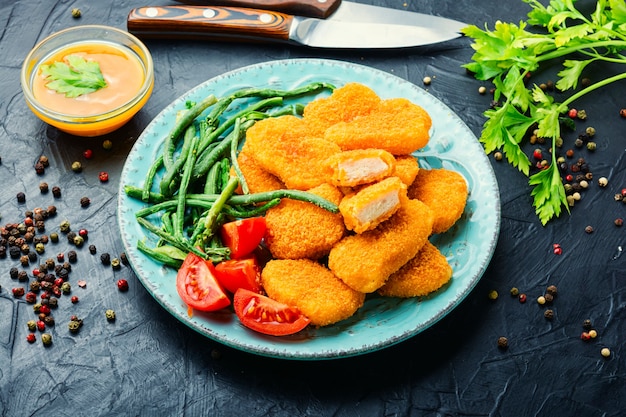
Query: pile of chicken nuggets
[(354, 149)]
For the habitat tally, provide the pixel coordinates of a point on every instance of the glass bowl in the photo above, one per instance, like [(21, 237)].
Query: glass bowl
[(112, 110)]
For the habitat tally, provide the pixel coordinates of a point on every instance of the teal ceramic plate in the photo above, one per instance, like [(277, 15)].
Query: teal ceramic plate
[(381, 322)]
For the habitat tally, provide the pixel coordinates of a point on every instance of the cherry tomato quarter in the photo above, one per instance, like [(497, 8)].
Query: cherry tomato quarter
[(243, 236), (245, 273), (197, 286), (267, 316)]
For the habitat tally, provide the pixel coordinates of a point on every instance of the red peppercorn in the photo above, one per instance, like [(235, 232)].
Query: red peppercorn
[(537, 154), (572, 113), (31, 338), (83, 232), (18, 291), (58, 282), (41, 326), (585, 336), (44, 309), (28, 221), (103, 176), (556, 248), (74, 299), (622, 112), (569, 178), (88, 153), (36, 272), (122, 285), (522, 298), (31, 297)]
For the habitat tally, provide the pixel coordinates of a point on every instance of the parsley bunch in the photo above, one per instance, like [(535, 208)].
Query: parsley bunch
[(509, 53)]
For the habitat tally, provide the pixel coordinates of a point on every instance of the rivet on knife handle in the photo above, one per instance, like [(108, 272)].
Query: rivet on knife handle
[(215, 22), (310, 8)]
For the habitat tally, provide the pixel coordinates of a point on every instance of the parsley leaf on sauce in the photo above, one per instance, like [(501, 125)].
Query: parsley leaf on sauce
[(73, 77)]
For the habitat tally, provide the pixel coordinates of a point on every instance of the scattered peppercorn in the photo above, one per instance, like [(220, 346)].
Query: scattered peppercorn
[(585, 336), (77, 166), (74, 326), (74, 299), (84, 202), (122, 285), (498, 156), (56, 192), (503, 342), (603, 181), (124, 258), (21, 197), (593, 334), (103, 176), (18, 292), (522, 298), (427, 80), (541, 300), (88, 153), (110, 315), (552, 290), (619, 222), (31, 338), (115, 263), (107, 144), (587, 324), (105, 258), (548, 314), (605, 352), (622, 112), (46, 339), (72, 256), (548, 298), (92, 249)]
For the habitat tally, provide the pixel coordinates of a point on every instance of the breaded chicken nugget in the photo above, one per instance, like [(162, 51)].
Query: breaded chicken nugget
[(360, 166), (365, 261), (372, 204), (297, 229), (343, 105), (426, 272), (407, 168), (444, 191), (282, 146), (312, 288), (397, 125), (257, 179)]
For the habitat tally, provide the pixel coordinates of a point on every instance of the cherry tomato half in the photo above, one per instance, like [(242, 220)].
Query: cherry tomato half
[(245, 273), (243, 236), (267, 316), (197, 286)]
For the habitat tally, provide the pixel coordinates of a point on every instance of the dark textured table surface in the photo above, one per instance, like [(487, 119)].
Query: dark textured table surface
[(147, 363)]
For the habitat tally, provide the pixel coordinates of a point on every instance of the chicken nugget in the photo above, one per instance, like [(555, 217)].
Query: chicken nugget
[(257, 179), (372, 204), (425, 273), (343, 105), (282, 146), (397, 125), (360, 166), (444, 191), (365, 261), (312, 288), (297, 229), (407, 168)]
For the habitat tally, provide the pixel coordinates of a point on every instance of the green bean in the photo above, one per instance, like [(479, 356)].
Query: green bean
[(182, 192), (211, 217), (234, 146), (147, 185), (158, 256), (188, 116), (268, 92), (255, 211), (168, 177)]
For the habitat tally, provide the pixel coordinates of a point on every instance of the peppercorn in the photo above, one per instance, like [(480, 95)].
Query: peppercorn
[(622, 112), (21, 197), (22, 276), (39, 168), (425, 80), (503, 342), (110, 315), (124, 258), (582, 114), (30, 297), (105, 258), (591, 146), (46, 339), (522, 298), (103, 176), (53, 302), (49, 320), (56, 192), (76, 13), (77, 166), (107, 144), (41, 326), (619, 222), (603, 182), (31, 338), (585, 336), (13, 273), (548, 314), (64, 227), (40, 248), (78, 241), (74, 299), (18, 292), (84, 202), (593, 334), (498, 156), (605, 352), (92, 249), (122, 285), (548, 298), (66, 287), (587, 324), (541, 300), (482, 89), (72, 256), (32, 325), (115, 263), (74, 326)]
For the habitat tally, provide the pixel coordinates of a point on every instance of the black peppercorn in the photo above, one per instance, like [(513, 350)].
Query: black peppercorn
[(13, 272), (51, 210), (43, 187), (56, 192), (552, 290), (548, 314), (84, 202), (587, 324), (503, 342), (39, 168), (14, 252), (92, 249), (105, 258), (21, 197), (71, 256), (124, 258), (22, 276)]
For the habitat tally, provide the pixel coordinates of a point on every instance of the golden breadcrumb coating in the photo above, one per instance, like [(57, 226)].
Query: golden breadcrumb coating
[(283, 147), (343, 105), (407, 168), (444, 191), (360, 166), (426, 272), (297, 229), (257, 179), (312, 288), (396, 125), (372, 204), (365, 261)]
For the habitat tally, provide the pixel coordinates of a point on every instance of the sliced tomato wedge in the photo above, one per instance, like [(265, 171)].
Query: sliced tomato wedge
[(197, 286), (243, 236), (233, 274), (267, 316)]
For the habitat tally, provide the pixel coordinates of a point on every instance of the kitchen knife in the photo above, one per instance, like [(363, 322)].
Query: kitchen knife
[(310, 8), (352, 25)]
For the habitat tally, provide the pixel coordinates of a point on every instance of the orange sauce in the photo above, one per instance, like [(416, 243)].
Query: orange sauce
[(122, 72)]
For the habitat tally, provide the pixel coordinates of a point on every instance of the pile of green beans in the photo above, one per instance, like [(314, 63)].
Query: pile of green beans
[(196, 191)]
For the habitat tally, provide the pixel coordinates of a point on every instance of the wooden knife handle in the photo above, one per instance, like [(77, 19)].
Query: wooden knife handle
[(310, 8), (225, 23)]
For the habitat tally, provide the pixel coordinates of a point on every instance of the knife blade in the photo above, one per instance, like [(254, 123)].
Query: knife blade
[(310, 8), (350, 27)]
